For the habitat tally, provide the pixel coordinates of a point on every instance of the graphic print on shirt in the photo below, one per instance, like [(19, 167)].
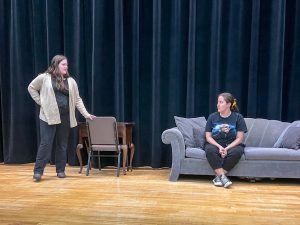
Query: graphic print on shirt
[(223, 130)]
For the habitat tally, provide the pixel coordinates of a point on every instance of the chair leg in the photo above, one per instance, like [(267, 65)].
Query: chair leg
[(119, 162), (88, 163)]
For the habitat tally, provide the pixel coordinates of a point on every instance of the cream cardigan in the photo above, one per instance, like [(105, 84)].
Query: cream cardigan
[(42, 92)]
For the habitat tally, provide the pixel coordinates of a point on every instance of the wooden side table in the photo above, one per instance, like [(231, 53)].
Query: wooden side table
[(124, 132)]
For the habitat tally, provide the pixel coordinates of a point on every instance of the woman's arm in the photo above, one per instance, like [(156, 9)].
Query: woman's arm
[(212, 141), (238, 140), (34, 88), (79, 103)]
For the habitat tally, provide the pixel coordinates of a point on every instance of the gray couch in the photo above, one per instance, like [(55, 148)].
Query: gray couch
[(260, 160)]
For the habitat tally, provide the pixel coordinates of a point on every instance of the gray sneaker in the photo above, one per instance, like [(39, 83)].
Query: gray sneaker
[(217, 181), (225, 181), (37, 177), (61, 175)]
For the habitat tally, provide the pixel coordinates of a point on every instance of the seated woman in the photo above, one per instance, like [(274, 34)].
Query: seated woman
[(224, 136)]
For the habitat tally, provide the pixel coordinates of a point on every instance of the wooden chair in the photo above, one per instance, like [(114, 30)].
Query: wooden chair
[(103, 137)]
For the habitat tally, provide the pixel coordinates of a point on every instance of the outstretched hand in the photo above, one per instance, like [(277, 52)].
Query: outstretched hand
[(91, 117)]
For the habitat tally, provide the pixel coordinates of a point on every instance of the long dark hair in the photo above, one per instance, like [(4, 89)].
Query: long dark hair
[(54, 71), (229, 98)]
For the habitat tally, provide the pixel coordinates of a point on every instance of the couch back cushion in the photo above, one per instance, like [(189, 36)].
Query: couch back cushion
[(187, 126), (290, 137), (263, 132)]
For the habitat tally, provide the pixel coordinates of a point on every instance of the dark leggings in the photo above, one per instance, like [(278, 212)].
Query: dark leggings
[(50, 133), (216, 161)]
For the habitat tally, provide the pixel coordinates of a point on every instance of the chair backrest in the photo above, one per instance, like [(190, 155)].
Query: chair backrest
[(103, 131)]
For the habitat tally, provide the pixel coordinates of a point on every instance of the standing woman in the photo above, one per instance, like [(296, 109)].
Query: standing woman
[(57, 95), (224, 136)]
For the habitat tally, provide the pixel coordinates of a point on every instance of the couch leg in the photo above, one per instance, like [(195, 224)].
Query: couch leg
[(173, 176)]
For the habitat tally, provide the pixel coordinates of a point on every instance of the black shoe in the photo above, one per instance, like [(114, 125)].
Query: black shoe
[(61, 175), (37, 177)]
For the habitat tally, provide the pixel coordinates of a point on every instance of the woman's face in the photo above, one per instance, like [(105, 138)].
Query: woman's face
[(222, 105), (63, 67)]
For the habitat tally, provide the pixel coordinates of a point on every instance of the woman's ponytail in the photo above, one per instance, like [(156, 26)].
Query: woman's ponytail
[(234, 107)]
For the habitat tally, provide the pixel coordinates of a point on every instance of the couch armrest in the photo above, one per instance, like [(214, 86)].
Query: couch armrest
[(174, 137)]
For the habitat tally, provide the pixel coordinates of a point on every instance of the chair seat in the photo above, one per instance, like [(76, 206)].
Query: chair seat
[(107, 147), (104, 147)]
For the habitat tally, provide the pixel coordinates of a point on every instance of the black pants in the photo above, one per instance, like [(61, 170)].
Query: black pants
[(50, 133), (216, 161)]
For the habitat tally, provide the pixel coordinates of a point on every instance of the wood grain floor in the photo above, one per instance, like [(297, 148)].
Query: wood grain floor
[(144, 196)]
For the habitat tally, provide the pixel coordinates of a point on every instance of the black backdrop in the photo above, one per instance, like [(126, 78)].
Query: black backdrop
[(146, 61)]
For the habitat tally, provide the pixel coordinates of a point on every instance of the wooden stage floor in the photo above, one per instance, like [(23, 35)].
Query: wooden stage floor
[(143, 196)]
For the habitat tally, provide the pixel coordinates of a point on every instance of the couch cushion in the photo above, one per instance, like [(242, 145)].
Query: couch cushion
[(199, 137), (263, 132), (186, 125), (199, 153), (282, 154), (290, 137)]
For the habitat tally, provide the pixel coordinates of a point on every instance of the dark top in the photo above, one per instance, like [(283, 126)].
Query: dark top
[(62, 96), (224, 130)]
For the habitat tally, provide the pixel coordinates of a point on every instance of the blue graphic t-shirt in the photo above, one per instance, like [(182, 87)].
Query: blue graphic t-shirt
[(224, 130)]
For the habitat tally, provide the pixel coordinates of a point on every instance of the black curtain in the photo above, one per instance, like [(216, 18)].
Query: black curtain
[(146, 61)]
